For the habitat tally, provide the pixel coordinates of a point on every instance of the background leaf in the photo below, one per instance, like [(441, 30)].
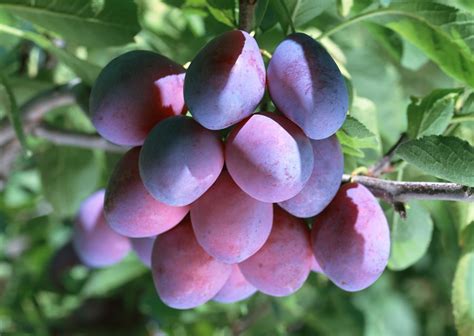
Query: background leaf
[(85, 22), (409, 237), (105, 280), (432, 114), (445, 34), (68, 176), (354, 137), (463, 295), (298, 12), (449, 158)]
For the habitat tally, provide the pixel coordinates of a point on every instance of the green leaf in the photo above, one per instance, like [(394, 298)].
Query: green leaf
[(85, 70), (223, 11), (387, 39), (444, 33), (107, 279), (68, 176), (467, 237), (449, 158), (344, 7), (298, 12), (409, 237), (94, 23), (386, 312), (432, 114), (9, 105), (260, 12), (463, 295), (354, 137), (468, 105)]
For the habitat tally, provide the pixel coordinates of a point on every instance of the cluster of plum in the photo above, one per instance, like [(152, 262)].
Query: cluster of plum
[(246, 229)]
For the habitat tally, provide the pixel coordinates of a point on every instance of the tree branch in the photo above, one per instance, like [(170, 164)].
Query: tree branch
[(33, 111), (80, 140), (401, 191), (246, 9)]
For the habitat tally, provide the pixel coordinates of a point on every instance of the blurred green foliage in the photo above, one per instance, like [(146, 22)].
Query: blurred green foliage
[(410, 68)]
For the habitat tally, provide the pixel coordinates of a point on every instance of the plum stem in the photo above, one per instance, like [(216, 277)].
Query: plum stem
[(246, 9), (402, 191), (384, 164)]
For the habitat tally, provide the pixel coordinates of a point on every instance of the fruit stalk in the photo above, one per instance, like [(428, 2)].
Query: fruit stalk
[(246, 9)]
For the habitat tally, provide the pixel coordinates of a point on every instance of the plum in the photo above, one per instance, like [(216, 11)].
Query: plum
[(96, 244), (225, 81), (143, 248), (306, 85), (130, 209), (324, 182), (185, 276), (269, 157), (236, 288), (282, 265), (351, 238), (180, 160), (229, 224), (133, 93)]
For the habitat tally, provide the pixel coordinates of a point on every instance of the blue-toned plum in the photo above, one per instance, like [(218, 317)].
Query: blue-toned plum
[(185, 276), (96, 244), (306, 85), (130, 209), (351, 238), (324, 182), (180, 160), (237, 288), (225, 81), (133, 93), (269, 157), (282, 265), (229, 224), (143, 247)]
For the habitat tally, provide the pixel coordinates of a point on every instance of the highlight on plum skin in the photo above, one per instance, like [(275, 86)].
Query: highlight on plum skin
[(324, 182), (306, 85), (351, 238), (185, 276), (142, 248), (129, 208), (229, 224), (236, 288), (96, 244), (225, 81), (133, 93), (282, 265), (180, 160), (269, 157)]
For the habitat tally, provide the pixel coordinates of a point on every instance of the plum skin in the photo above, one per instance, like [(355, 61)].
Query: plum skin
[(143, 248), (269, 157), (236, 288), (282, 265), (324, 182), (180, 160), (230, 225), (133, 93), (225, 81), (351, 238), (96, 244), (306, 85), (129, 208), (185, 276)]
